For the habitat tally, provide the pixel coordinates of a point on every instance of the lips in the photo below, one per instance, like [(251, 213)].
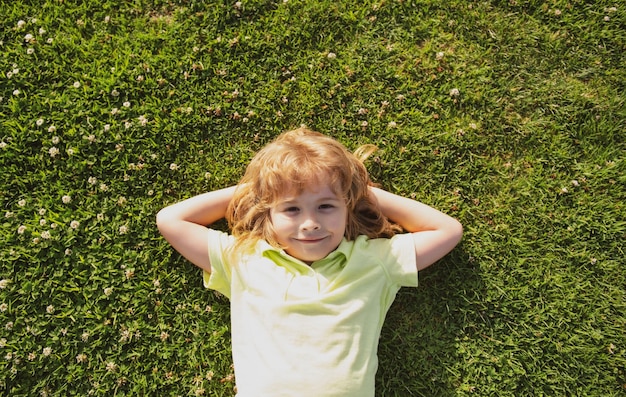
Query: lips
[(310, 240)]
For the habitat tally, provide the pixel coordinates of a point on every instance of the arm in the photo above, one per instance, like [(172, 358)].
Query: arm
[(434, 233), (184, 224)]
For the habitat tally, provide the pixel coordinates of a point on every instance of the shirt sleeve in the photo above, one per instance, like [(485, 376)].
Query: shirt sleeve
[(401, 266), (219, 279)]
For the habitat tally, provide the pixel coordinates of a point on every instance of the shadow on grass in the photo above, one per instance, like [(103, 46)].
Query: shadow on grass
[(418, 348)]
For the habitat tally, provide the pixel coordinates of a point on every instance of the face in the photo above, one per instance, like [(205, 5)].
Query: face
[(310, 225)]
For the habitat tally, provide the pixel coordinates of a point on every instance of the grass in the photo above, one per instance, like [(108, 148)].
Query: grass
[(507, 115)]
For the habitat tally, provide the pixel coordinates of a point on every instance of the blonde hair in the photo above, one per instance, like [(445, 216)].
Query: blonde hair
[(294, 160)]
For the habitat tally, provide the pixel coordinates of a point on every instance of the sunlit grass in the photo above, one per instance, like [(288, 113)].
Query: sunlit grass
[(507, 115)]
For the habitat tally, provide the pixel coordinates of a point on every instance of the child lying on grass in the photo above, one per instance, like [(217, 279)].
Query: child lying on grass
[(313, 262)]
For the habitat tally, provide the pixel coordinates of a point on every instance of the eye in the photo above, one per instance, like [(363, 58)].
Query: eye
[(326, 206), (291, 210)]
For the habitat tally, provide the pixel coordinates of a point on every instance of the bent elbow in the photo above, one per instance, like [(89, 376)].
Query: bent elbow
[(457, 231), (162, 219)]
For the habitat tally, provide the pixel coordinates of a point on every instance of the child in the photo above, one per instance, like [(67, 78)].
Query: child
[(312, 265)]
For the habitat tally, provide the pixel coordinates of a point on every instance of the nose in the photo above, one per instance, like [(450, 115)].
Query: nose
[(310, 223)]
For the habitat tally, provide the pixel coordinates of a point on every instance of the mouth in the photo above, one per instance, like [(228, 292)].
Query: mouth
[(310, 240)]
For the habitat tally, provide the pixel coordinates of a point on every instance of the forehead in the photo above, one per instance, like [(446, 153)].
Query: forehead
[(314, 188)]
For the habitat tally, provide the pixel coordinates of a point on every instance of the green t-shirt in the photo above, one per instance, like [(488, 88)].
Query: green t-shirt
[(300, 330)]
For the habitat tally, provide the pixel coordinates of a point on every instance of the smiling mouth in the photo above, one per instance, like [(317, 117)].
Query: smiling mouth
[(310, 240)]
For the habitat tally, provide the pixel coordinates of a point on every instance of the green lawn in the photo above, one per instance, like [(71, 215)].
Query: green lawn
[(509, 115)]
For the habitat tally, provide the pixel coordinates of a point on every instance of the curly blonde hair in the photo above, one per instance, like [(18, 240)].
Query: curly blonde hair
[(294, 160)]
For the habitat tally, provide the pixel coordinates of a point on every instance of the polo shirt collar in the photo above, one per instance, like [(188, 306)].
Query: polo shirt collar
[(340, 254)]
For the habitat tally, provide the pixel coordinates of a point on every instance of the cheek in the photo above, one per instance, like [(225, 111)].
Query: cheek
[(279, 226), (340, 222)]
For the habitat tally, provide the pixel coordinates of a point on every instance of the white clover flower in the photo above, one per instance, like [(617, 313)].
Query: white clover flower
[(85, 336), (53, 151), (55, 139), (4, 283), (107, 19), (115, 111), (21, 229), (74, 224), (29, 38), (123, 229), (108, 291), (107, 127), (3, 144), (46, 351), (126, 104), (70, 151), (364, 124), (76, 84), (50, 309), (42, 31), (127, 124), (66, 199), (81, 358), (331, 55), (238, 5), (111, 366), (45, 235), (440, 55), (42, 211), (39, 122), (50, 40), (173, 166), (68, 252), (455, 92), (16, 92), (92, 180), (8, 214), (30, 51), (42, 222), (3, 308), (21, 203), (21, 24), (392, 124), (115, 93), (104, 187)]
